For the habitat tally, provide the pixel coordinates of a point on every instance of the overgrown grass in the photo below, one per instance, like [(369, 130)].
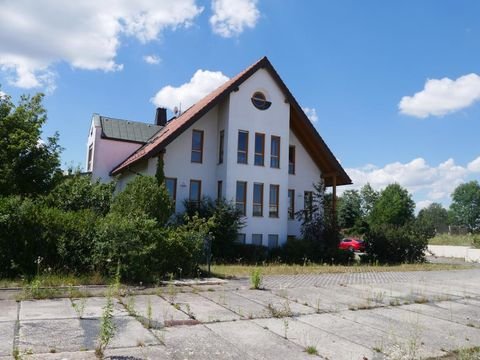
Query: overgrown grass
[(228, 271), (57, 280), (456, 240)]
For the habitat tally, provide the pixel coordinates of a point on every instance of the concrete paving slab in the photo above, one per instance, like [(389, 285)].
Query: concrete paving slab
[(461, 313), (197, 342), (45, 336), (377, 341), (240, 305), (77, 335), (327, 344), (276, 303), (314, 298), (46, 309), (77, 355), (418, 338), (93, 307), (7, 329), (256, 341), (8, 310), (452, 335), (138, 353), (161, 310), (454, 289), (203, 309)]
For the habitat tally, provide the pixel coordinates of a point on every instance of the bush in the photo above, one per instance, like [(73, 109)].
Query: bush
[(133, 242), (72, 235), (146, 251), (224, 222), (143, 196), (19, 237), (78, 192), (395, 244), (31, 231)]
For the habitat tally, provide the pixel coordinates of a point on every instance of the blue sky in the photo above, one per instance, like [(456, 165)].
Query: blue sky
[(349, 62)]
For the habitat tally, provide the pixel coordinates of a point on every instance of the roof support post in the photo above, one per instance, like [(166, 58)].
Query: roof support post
[(334, 200)]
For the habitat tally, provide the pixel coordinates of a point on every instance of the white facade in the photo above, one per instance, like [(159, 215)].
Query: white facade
[(234, 113)]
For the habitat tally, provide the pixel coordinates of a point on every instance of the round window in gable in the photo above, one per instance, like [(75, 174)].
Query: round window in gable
[(260, 101)]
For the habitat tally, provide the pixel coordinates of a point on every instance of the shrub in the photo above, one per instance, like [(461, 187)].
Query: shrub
[(133, 242), (32, 234), (143, 196), (145, 250), (224, 223), (78, 192), (19, 237), (395, 244), (72, 234)]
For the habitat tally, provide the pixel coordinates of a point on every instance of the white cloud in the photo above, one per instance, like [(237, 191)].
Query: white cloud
[(2, 94), (35, 35), (152, 59), (474, 166), (311, 114), (201, 84), (427, 183), (231, 17), (440, 97)]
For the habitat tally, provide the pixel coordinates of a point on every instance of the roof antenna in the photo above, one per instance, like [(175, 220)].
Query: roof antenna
[(177, 110)]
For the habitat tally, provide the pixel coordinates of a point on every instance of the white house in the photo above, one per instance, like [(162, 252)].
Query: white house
[(248, 141)]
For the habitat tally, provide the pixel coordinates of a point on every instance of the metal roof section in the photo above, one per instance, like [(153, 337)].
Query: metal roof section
[(127, 130)]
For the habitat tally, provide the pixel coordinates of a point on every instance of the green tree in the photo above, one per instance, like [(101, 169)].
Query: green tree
[(465, 207), (369, 198), (349, 209), (144, 196), (433, 218), (28, 165), (394, 207), (78, 192)]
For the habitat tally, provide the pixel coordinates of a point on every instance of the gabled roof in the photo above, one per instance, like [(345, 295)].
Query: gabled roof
[(125, 130), (300, 125)]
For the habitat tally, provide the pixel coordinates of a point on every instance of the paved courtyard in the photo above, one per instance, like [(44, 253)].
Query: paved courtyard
[(396, 315)]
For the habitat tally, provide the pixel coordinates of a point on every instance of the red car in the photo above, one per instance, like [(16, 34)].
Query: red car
[(352, 244)]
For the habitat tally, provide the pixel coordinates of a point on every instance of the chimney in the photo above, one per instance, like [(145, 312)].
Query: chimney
[(161, 117)]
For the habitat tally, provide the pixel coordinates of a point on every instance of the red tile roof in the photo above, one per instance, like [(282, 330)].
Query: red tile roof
[(300, 124)]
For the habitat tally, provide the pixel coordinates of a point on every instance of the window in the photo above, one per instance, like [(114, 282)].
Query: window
[(242, 152), (308, 203), (90, 158), (273, 209), (291, 204), (241, 197), (291, 160), (219, 190), (241, 238), (195, 192), (257, 199), (272, 241), (259, 149), (197, 146), (259, 100), (171, 184), (275, 152), (220, 147), (257, 239)]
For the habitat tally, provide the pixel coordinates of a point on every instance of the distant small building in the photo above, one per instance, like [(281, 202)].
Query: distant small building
[(248, 141)]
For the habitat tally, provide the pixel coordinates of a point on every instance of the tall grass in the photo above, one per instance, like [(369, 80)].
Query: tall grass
[(456, 240)]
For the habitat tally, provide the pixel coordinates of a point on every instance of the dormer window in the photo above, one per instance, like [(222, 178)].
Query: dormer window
[(259, 100)]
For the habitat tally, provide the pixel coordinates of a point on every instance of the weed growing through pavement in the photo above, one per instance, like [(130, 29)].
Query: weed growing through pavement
[(285, 311), (311, 350), (256, 279), (79, 306), (149, 313), (107, 327), (285, 328)]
